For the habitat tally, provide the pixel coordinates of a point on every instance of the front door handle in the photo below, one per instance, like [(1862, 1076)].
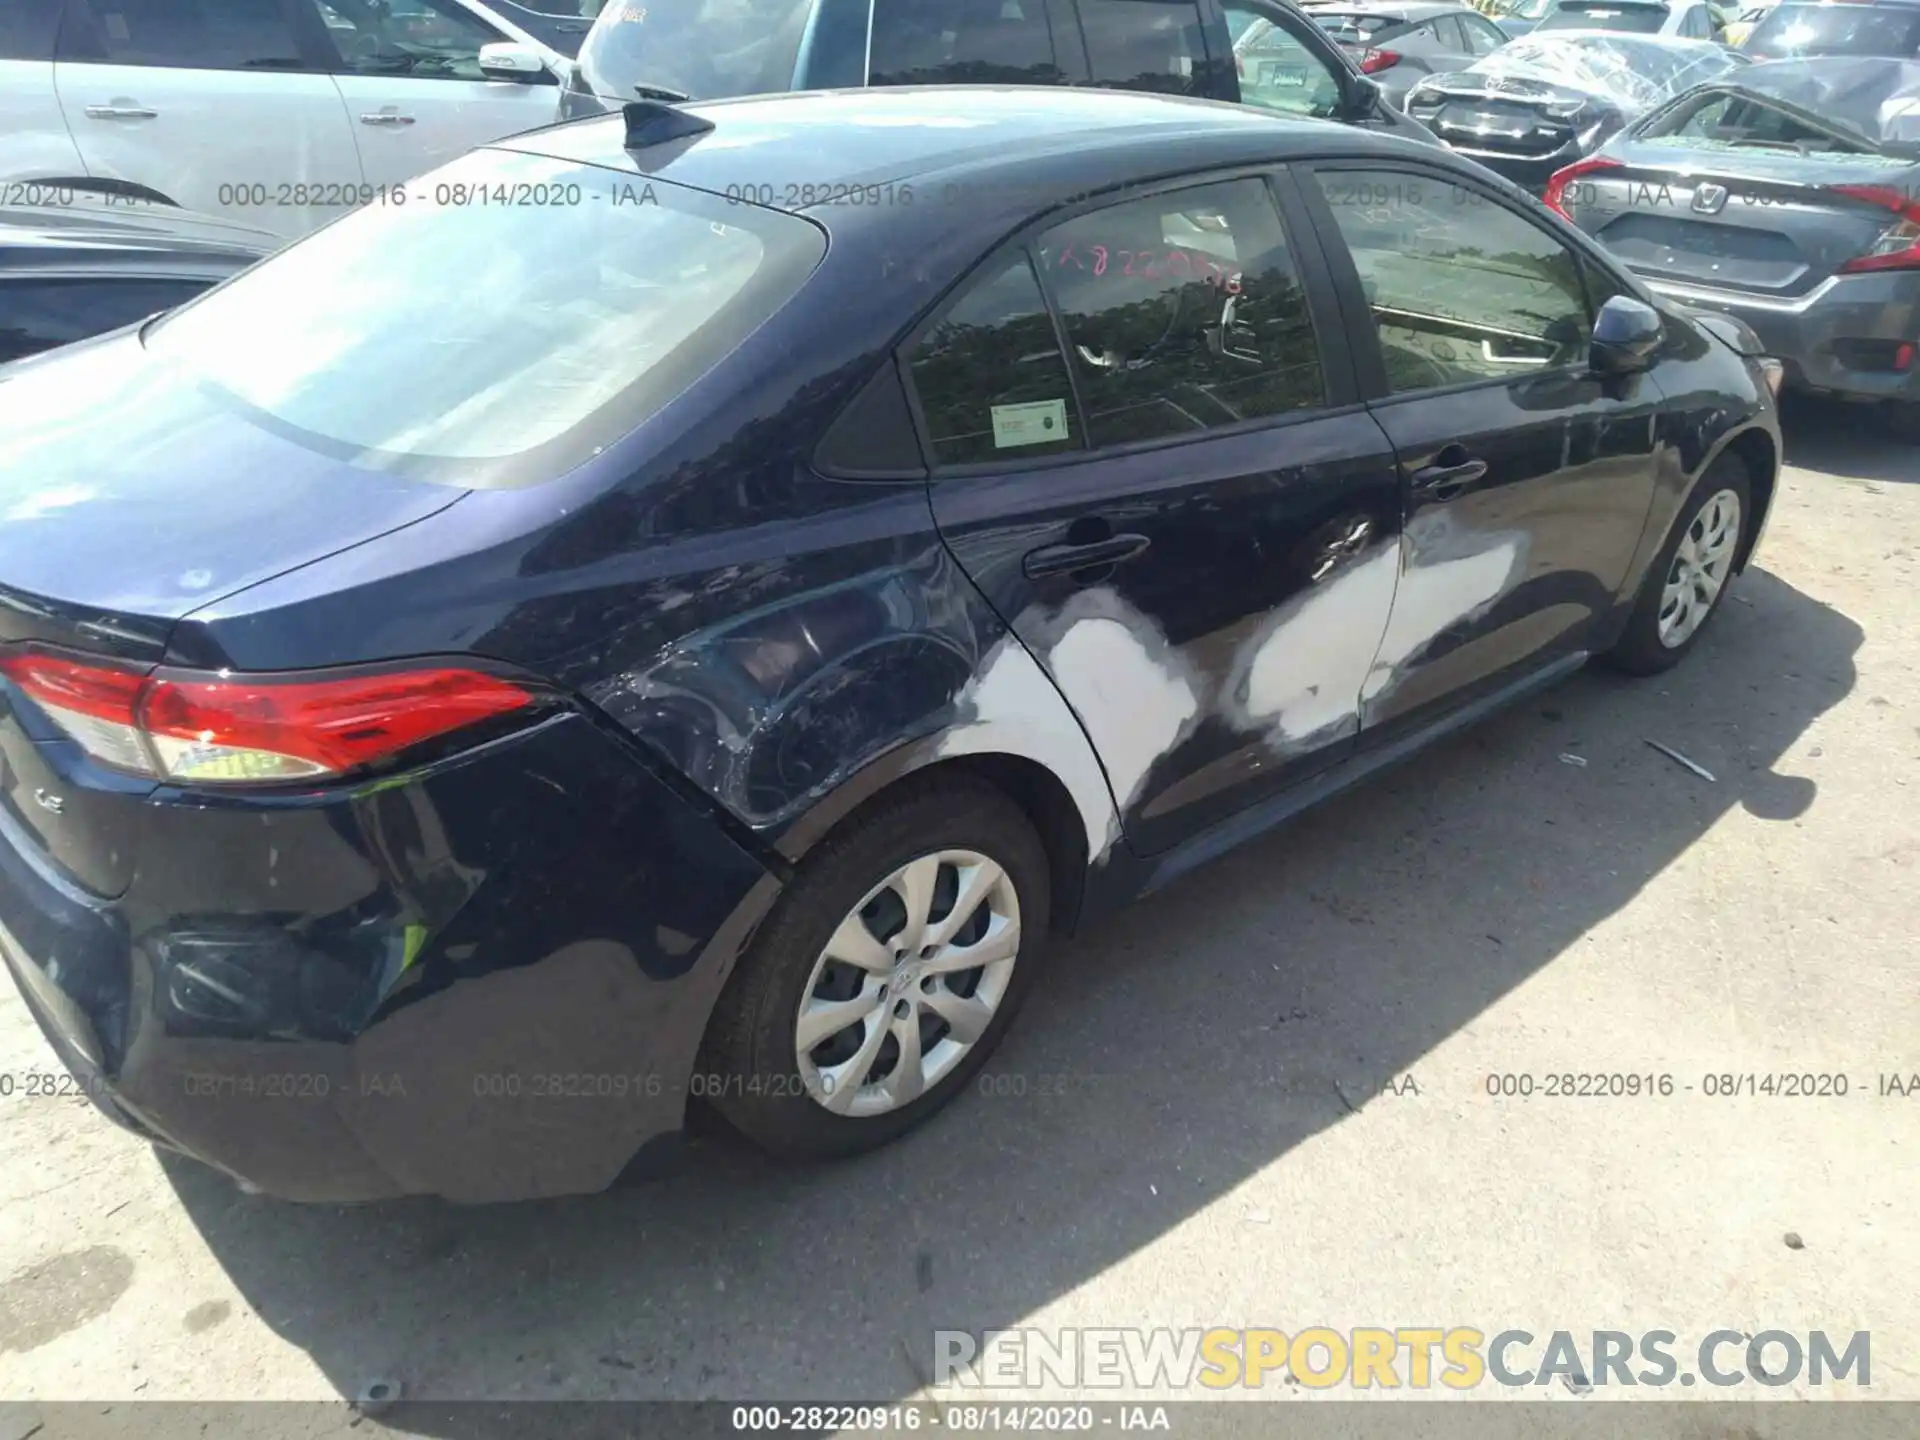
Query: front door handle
[(386, 117), (1443, 482), (1063, 559), (121, 110)]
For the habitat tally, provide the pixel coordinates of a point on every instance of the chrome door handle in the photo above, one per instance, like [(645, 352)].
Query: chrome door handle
[(121, 112), (385, 117), (1064, 559), (1443, 482)]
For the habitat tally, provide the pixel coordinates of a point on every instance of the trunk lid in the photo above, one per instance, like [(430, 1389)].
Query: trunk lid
[(129, 498), (1754, 221)]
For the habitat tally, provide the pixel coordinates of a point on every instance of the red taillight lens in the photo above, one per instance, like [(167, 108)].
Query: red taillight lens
[(1898, 247), (1374, 61), (1558, 183), (238, 729), (92, 703)]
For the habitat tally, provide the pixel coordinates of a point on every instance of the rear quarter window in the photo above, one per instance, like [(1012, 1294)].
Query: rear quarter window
[(574, 321)]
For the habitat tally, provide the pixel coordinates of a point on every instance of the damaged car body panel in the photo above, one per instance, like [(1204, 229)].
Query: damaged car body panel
[(1118, 477), (1545, 100), (1784, 196)]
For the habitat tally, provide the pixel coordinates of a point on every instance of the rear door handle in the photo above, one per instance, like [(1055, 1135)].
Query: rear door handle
[(1062, 559), (121, 112), (385, 117), (1443, 482)]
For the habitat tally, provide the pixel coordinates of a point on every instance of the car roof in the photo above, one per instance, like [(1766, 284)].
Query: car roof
[(87, 229), (921, 135)]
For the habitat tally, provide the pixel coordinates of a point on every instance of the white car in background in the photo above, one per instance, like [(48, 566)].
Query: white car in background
[(282, 113)]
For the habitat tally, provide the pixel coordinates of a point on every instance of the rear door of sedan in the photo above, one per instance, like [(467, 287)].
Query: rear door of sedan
[(1149, 454), (1526, 480)]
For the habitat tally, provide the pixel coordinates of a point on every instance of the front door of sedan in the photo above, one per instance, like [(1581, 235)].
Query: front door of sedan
[(1527, 479), (1148, 455)]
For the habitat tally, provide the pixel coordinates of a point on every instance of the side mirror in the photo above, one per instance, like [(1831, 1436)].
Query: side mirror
[(1363, 97), (1626, 333), (504, 60)]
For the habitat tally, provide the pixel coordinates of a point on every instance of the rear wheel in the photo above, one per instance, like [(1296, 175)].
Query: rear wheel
[(885, 977), (1684, 586)]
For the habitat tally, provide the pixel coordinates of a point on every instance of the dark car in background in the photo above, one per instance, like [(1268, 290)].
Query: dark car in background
[(75, 264), (1886, 28), (448, 728), (1398, 45), (1546, 100), (712, 49), (1787, 195)]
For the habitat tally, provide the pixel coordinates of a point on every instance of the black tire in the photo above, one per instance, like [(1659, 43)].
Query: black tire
[(749, 1060), (1640, 650)]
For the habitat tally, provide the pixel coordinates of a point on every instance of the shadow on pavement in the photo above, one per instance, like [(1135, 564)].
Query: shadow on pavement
[(1849, 442), (1179, 1048)]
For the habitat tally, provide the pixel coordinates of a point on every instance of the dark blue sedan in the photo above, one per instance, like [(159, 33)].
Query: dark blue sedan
[(684, 606)]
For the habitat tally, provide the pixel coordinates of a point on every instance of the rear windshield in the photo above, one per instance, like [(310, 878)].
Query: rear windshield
[(1633, 19), (705, 49), (1721, 121), (1890, 30), (1351, 27), (513, 316)]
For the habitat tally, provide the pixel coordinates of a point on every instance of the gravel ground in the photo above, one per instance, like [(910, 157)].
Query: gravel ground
[(1258, 1099)]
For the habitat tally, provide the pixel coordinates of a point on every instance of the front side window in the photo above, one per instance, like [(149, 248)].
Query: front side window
[(936, 42), (990, 377), (1278, 72), (184, 34), (1461, 288), (27, 29), (421, 39), (704, 49), (351, 343), (1183, 312), (1482, 38), (1144, 44)]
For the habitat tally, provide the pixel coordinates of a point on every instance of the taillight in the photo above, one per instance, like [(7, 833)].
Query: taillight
[(1898, 247), (1558, 183), (1374, 61), (228, 729)]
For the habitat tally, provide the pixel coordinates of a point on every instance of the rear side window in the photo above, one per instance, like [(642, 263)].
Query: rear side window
[(27, 29), (181, 34), (1144, 44), (347, 342), (1183, 312), (37, 315), (990, 377), (705, 49), (971, 42)]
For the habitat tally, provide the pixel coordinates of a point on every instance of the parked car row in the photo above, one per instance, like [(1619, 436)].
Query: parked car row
[(487, 676)]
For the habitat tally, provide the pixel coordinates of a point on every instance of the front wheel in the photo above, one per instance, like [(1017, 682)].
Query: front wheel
[(1682, 589), (886, 975)]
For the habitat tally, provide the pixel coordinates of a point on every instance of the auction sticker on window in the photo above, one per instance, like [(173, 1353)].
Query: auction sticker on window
[(1034, 423)]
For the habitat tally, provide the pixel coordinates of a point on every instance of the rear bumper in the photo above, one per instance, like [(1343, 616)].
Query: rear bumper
[(484, 980), (1829, 338)]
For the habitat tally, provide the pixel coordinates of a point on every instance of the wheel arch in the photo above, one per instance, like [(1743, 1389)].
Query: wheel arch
[(1042, 796), (1758, 451)]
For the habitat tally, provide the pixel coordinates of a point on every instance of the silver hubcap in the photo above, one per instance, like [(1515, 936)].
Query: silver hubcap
[(908, 984), (1700, 568)]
